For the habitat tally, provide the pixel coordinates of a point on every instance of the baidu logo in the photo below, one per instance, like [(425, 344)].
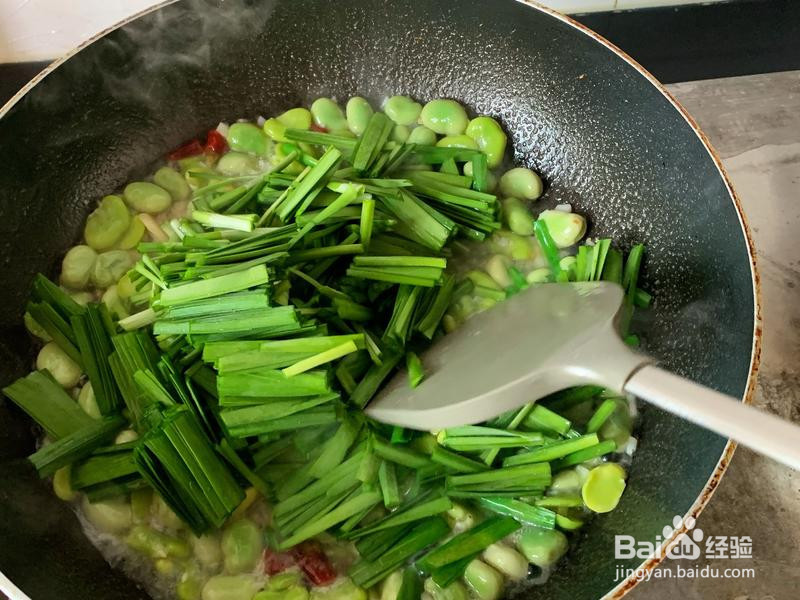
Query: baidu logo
[(687, 544)]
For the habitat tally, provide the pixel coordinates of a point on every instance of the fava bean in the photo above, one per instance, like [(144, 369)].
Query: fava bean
[(107, 223), (481, 279), (359, 112), (246, 137), (125, 287), (422, 135), (514, 246), (88, 402), (497, 268), (77, 265), (603, 488), (146, 197), (110, 266), (62, 484), (542, 547), (402, 110), (115, 304), (445, 117), (110, 516), (131, 238), (457, 141), (565, 483), (242, 544), (173, 182), (460, 517), (490, 137), (343, 589), (230, 587), (296, 592), (517, 216), (483, 580), (275, 130), (391, 585), (567, 264), (454, 591), (400, 134), (141, 504), (296, 118), (165, 566), (328, 114), (155, 544), (236, 163), (82, 298), (190, 586), (164, 515), (521, 183), (35, 329), (565, 228), (63, 369), (125, 436), (506, 560), (207, 550), (449, 323)]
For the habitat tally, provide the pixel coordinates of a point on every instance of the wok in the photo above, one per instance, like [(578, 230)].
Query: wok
[(606, 136)]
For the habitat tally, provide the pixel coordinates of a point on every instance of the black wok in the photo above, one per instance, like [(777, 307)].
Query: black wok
[(607, 138)]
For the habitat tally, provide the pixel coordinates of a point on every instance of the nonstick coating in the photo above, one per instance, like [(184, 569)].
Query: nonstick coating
[(604, 137)]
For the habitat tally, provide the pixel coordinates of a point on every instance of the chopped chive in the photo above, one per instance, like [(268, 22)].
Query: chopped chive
[(456, 462), (320, 359), (601, 415), (601, 449), (388, 482), (416, 372), (542, 418), (552, 451), (548, 246), (523, 512)]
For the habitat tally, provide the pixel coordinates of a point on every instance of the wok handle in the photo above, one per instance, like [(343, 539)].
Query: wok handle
[(760, 431)]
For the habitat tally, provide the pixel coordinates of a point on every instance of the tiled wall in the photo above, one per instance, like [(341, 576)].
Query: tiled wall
[(43, 29)]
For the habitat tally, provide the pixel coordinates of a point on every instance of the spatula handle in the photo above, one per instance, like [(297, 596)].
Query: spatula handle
[(763, 432)]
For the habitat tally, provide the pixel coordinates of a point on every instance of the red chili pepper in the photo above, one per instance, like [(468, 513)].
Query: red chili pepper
[(216, 142), (276, 562), (315, 127), (192, 148), (312, 560)]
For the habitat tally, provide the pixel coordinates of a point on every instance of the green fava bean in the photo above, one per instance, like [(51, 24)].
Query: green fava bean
[(147, 197), (236, 163), (491, 178), (110, 516), (296, 118), (116, 306), (155, 544), (457, 141), (242, 544), (341, 590), (292, 593), (107, 224), (483, 580), (422, 135), (359, 112), (565, 228), (190, 587), (402, 110), (82, 298), (110, 267), (246, 137), (445, 117), (207, 550), (603, 487), (230, 587), (400, 134), (88, 402), (516, 247), (63, 369), (133, 236), (521, 183), (77, 266), (506, 560), (62, 484), (275, 130), (490, 137), (517, 216), (542, 275), (542, 547), (328, 114), (173, 182), (454, 591)]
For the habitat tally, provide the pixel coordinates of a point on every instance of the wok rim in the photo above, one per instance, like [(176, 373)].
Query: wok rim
[(712, 483)]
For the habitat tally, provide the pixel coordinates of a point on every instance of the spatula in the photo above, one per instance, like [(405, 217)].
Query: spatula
[(550, 337)]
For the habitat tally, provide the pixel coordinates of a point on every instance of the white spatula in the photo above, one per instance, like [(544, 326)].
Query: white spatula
[(550, 337)]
